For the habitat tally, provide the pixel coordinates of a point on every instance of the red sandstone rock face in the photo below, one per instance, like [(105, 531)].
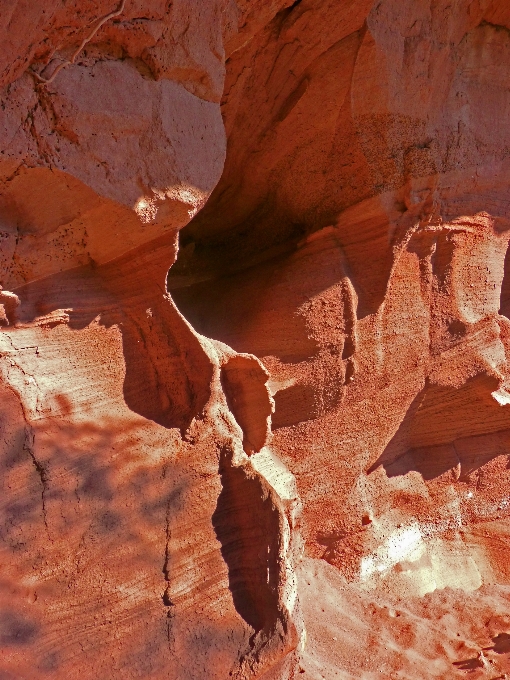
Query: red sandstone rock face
[(328, 374)]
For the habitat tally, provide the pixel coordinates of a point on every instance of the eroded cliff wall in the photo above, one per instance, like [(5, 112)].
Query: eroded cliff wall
[(288, 455)]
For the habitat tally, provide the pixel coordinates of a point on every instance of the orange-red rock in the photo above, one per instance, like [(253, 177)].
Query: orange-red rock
[(288, 455)]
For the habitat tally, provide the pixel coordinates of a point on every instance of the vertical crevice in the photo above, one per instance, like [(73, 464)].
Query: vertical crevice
[(246, 523), (504, 304), (29, 447), (41, 472)]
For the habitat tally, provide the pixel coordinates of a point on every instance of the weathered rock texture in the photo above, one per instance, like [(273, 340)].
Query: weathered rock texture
[(288, 456)]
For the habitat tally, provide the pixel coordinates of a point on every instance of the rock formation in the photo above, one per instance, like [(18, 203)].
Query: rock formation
[(254, 343)]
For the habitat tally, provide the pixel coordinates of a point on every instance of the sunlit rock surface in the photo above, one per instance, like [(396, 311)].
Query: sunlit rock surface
[(254, 323)]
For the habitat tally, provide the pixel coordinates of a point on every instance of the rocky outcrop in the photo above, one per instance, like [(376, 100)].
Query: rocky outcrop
[(356, 244), (254, 306), (148, 531)]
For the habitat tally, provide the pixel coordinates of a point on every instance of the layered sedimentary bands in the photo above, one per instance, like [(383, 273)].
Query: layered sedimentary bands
[(255, 337)]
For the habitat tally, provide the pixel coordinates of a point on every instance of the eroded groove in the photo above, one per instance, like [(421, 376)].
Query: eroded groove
[(246, 523), (255, 523)]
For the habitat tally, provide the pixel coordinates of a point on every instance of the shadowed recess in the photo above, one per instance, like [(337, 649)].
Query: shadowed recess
[(247, 525), (161, 383), (449, 429), (167, 374), (293, 405), (253, 311), (505, 288)]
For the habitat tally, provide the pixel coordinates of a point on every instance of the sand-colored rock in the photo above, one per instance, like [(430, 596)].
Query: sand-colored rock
[(288, 455), (139, 538), (357, 244)]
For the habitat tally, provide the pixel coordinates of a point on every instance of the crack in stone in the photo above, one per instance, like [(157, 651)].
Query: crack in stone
[(166, 571), (28, 446), (167, 601), (41, 471)]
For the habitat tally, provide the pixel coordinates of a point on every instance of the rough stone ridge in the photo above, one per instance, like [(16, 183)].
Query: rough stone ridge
[(254, 336)]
